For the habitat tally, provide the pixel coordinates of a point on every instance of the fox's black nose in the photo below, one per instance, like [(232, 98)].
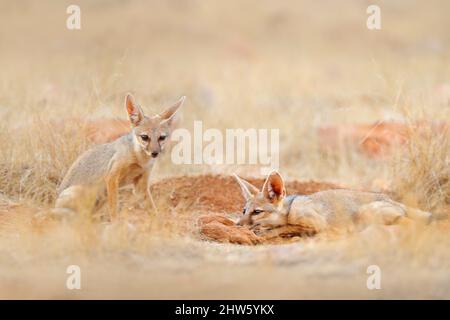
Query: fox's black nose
[(155, 154)]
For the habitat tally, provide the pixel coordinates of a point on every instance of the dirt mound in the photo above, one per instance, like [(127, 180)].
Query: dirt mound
[(203, 205), (219, 228), (218, 193), (375, 140), (213, 202), (105, 129)]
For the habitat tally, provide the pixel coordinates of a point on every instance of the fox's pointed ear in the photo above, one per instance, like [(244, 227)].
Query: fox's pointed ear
[(169, 114), (273, 188), (248, 190), (135, 113)]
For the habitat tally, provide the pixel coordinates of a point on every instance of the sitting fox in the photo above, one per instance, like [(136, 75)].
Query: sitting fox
[(127, 160), (271, 211)]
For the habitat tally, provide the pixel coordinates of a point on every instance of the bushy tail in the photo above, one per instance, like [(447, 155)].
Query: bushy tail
[(415, 214), (419, 215), (76, 200)]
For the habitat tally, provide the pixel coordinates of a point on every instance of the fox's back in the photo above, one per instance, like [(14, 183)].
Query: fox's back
[(91, 166), (332, 203)]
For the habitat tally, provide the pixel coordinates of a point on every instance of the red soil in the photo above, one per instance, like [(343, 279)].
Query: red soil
[(105, 130), (374, 140), (217, 198), (219, 228), (218, 193)]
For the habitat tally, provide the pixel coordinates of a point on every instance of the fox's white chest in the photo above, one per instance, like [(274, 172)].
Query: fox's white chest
[(149, 164), (135, 172)]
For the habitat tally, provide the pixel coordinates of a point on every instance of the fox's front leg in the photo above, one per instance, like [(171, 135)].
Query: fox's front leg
[(112, 187), (142, 187), (285, 231), (308, 218), (141, 184)]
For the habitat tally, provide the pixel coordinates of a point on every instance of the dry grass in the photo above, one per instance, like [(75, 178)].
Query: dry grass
[(422, 173), (291, 65)]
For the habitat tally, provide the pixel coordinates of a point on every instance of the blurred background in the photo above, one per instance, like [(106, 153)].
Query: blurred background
[(292, 65), (311, 69)]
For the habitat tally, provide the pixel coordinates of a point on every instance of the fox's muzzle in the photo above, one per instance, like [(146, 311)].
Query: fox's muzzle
[(244, 221)]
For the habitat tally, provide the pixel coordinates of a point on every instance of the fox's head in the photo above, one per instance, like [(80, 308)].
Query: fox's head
[(151, 133), (263, 209)]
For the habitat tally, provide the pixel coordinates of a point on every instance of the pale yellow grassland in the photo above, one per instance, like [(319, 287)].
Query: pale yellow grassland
[(291, 65)]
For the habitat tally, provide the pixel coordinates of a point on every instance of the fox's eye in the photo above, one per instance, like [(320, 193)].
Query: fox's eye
[(161, 138), (144, 137), (257, 211), (243, 211)]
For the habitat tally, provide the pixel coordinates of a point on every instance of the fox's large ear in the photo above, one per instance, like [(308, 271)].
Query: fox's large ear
[(248, 190), (135, 113), (169, 114), (273, 188)]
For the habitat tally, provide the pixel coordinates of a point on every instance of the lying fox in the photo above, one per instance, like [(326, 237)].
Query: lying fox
[(127, 160), (270, 210)]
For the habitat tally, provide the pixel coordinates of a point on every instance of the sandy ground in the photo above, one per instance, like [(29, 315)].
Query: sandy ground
[(344, 99), (165, 257)]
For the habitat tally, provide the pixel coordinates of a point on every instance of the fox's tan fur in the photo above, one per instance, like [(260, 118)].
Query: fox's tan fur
[(270, 210), (127, 160)]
